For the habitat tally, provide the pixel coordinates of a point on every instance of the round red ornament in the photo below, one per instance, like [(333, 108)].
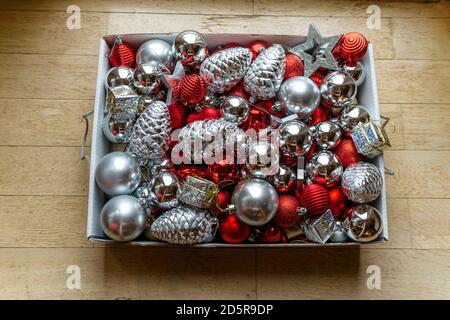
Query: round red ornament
[(186, 170), (192, 89), (317, 77), (207, 113), (178, 114), (268, 106), (232, 230), (353, 46), (218, 172), (347, 153), (270, 234), (227, 46), (121, 54), (238, 91), (223, 200), (338, 202), (287, 215), (315, 199), (256, 46), (293, 66), (257, 119), (321, 114), (174, 83)]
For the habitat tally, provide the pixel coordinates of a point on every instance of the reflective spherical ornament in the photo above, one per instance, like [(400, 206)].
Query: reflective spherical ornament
[(190, 47), (337, 90), (118, 173), (255, 201), (327, 135), (234, 109), (257, 120), (362, 182), (300, 96), (122, 218), (357, 72), (324, 168), (295, 138), (363, 223), (147, 77), (232, 230), (118, 76), (165, 185), (285, 180), (263, 160), (339, 233), (117, 131), (156, 50), (352, 116), (222, 170)]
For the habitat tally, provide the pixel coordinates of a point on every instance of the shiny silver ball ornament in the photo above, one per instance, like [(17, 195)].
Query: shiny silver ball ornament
[(362, 182), (327, 135), (353, 115), (234, 109), (255, 201), (263, 160), (324, 168), (119, 76), (122, 218), (156, 50), (117, 131), (338, 89), (295, 138), (164, 186), (284, 180), (357, 72), (364, 223), (118, 173), (300, 96), (147, 77), (190, 47)]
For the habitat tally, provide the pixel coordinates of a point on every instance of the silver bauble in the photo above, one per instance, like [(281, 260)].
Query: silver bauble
[(352, 116), (339, 233), (122, 129), (357, 72), (234, 109), (263, 159), (284, 180), (164, 185), (364, 223), (190, 47), (300, 96), (122, 218), (338, 89), (156, 50), (255, 201), (147, 77), (295, 138), (327, 135), (118, 173), (118, 76), (324, 168), (362, 182)]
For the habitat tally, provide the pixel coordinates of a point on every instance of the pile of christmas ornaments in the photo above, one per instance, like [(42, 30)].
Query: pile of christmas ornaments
[(163, 98)]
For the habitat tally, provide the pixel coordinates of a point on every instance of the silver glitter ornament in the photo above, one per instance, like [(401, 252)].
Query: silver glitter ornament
[(324, 168), (295, 138), (265, 75), (147, 77), (164, 186), (327, 135), (255, 201), (300, 96), (226, 68), (118, 173), (357, 72), (284, 180), (364, 223), (362, 182), (118, 76), (190, 47), (263, 160), (352, 115), (234, 109), (122, 218), (185, 225), (338, 89), (156, 50)]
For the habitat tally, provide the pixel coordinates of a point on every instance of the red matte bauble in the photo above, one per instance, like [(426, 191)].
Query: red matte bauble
[(174, 83), (122, 54), (223, 200), (353, 46), (293, 66), (347, 153), (192, 89), (218, 172), (321, 114), (238, 91), (232, 230), (270, 234), (287, 215), (207, 113), (256, 46), (257, 120), (268, 106), (183, 171), (178, 114), (317, 77), (338, 202), (315, 199)]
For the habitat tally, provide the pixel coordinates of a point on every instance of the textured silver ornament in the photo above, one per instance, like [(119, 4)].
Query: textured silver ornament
[(371, 138), (327, 135), (185, 226), (226, 68), (320, 229), (164, 186), (198, 192), (364, 223), (324, 168), (353, 115), (265, 75), (284, 180), (156, 50), (300, 96), (234, 109), (338, 90), (295, 138), (362, 182)]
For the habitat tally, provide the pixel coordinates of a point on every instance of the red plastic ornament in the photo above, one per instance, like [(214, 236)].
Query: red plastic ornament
[(218, 172), (270, 234), (121, 54), (293, 66), (178, 114), (321, 114), (232, 230), (192, 89), (317, 77), (257, 120), (268, 106), (207, 113), (315, 199), (174, 83), (347, 153), (256, 47), (287, 215), (238, 91), (353, 47), (223, 200), (289, 161), (338, 202), (183, 171)]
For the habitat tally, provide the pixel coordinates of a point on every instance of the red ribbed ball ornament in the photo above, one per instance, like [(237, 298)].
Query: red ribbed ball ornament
[(121, 54), (353, 46), (347, 153), (287, 215), (317, 77), (315, 199), (232, 230), (178, 114), (174, 83), (256, 46), (293, 66), (192, 89)]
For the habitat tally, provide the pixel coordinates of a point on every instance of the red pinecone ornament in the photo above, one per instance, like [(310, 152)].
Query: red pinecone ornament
[(287, 215), (315, 199), (353, 46), (178, 114), (347, 153), (192, 89), (121, 54)]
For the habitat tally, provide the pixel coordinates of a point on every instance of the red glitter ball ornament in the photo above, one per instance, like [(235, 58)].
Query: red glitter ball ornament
[(192, 89), (338, 202), (321, 114), (257, 120), (207, 113), (220, 171), (293, 66), (223, 200), (256, 46), (315, 199), (232, 230), (178, 114), (353, 46), (287, 215), (347, 153), (121, 54)]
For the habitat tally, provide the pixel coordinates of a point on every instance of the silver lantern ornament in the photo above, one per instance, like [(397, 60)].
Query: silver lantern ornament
[(156, 50), (357, 72), (300, 96), (324, 168), (364, 223), (118, 76), (198, 192), (295, 138), (362, 182), (122, 218), (234, 109), (339, 233), (353, 115), (147, 77), (327, 135), (164, 186), (338, 89), (284, 180), (190, 47), (371, 138), (319, 229), (263, 160), (118, 173), (255, 201)]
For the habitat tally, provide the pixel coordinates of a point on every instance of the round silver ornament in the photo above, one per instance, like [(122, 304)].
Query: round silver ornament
[(362, 182), (118, 173), (295, 138), (364, 223), (339, 233), (324, 168), (327, 135), (338, 89), (263, 160), (122, 218), (147, 77), (255, 201), (190, 47), (117, 131), (353, 115), (284, 181), (300, 96), (357, 72), (164, 185), (156, 50), (118, 76), (234, 109)]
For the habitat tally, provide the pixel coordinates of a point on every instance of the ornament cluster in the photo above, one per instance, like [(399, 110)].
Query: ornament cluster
[(164, 99)]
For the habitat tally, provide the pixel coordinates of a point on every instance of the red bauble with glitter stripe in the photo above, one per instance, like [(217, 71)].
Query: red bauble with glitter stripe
[(178, 114), (192, 89), (121, 54), (353, 46), (315, 199)]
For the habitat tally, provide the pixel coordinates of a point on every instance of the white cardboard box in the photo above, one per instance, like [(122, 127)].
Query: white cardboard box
[(367, 96)]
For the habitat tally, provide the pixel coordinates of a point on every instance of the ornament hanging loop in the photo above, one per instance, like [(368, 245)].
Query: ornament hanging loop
[(117, 41)]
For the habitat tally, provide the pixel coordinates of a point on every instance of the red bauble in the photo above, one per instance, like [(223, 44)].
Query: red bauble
[(257, 120), (223, 200), (293, 66), (270, 234), (122, 54), (317, 77), (174, 83), (321, 114), (353, 46), (192, 89), (238, 91), (178, 114), (218, 172), (256, 47), (347, 153), (338, 202), (315, 199), (232, 230), (207, 113), (287, 215), (183, 171), (268, 106)]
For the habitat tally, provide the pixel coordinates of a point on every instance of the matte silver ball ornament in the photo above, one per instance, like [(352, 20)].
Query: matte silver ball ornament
[(338, 89), (327, 135), (300, 96), (234, 109), (357, 72), (122, 218), (118, 173), (147, 77), (295, 138), (156, 50), (190, 47), (352, 116), (284, 180), (364, 223), (324, 168), (362, 182), (118, 76)]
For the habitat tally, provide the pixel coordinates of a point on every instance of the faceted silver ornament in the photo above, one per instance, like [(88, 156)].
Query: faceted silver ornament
[(147, 77), (362, 182), (327, 135), (284, 181), (156, 50), (118, 76), (165, 185), (263, 160), (234, 109), (190, 47), (357, 72), (295, 138), (338, 89), (364, 223), (324, 168), (353, 115)]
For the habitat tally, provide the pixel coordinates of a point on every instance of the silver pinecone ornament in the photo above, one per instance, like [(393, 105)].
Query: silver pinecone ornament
[(151, 133), (226, 68), (185, 225), (362, 182), (263, 78)]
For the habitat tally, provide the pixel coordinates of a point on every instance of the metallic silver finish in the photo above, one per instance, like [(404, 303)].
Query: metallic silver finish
[(156, 50), (124, 129), (338, 89), (295, 138), (122, 218), (198, 192), (300, 96), (147, 77), (364, 223), (263, 160), (339, 233), (118, 173), (234, 109), (320, 229), (358, 73), (327, 135), (118, 76), (165, 185), (255, 201), (362, 182), (324, 168), (352, 116), (284, 181), (190, 47)]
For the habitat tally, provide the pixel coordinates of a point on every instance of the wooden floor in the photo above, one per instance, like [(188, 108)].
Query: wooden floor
[(48, 80)]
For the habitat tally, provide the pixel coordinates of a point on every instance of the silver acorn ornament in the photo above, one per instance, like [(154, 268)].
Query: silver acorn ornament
[(265, 75), (362, 182)]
